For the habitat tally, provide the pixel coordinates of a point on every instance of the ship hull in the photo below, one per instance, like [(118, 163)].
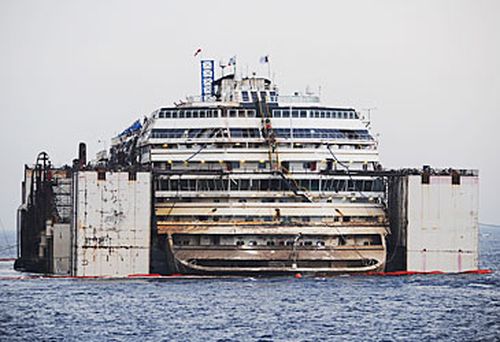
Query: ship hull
[(316, 252)]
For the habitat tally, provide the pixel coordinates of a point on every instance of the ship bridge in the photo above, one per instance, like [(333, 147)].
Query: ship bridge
[(229, 90)]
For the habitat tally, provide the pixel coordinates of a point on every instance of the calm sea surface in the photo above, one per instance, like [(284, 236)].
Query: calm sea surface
[(413, 308)]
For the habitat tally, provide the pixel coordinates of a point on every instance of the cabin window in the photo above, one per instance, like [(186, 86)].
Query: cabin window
[(132, 176), (295, 113), (244, 96), (101, 175), (303, 114), (285, 113)]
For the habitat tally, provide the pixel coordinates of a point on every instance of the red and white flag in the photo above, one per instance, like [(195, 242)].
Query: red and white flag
[(197, 52)]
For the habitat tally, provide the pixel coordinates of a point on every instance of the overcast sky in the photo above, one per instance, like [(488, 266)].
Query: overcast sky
[(75, 71)]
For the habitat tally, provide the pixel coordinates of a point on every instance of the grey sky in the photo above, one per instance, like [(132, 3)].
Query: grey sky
[(75, 71)]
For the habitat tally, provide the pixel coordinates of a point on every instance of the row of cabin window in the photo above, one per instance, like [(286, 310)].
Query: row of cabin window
[(207, 113), (231, 165), (319, 243), (318, 133), (322, 133), (252, 241), (313, 113), (326, 185), (251, 113), (191, 113)]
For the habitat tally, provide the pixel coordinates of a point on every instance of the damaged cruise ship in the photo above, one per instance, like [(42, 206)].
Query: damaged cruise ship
[(243, 180), (249, 181)]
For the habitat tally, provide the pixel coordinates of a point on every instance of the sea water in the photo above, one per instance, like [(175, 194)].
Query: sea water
[(344, 308)]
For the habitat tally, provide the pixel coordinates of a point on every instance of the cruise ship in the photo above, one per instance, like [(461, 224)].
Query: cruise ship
[(249, 181)]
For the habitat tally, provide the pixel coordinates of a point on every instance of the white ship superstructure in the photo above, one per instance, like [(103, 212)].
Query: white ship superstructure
[(247, 180)]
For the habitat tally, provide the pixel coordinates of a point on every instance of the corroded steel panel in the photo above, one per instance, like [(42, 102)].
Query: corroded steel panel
[(61, 252), (112, 232)]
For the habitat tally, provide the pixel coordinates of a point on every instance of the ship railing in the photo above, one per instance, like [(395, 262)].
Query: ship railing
[(298, 99), (199, 98), (279, 98)]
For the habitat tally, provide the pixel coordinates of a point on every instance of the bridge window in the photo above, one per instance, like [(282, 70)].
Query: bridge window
[(244, 96)]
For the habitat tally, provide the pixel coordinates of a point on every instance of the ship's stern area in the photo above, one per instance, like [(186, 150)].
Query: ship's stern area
[(257, 249)]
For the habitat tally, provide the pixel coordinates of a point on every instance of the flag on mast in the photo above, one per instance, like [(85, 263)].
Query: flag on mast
[(197, 52), (264, 59)]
